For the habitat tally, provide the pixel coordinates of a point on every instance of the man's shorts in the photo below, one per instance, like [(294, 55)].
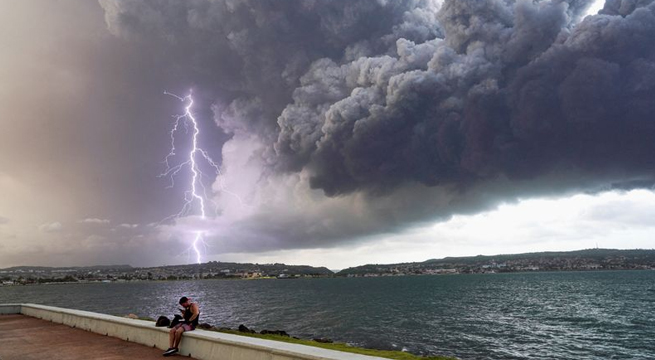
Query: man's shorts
[(186, 327)]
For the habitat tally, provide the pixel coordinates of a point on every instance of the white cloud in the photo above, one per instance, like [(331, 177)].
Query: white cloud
[(51, 227), (129, 226), (94, 221)]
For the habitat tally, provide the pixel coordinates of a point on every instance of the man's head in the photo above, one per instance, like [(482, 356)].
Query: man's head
[(184, 301)]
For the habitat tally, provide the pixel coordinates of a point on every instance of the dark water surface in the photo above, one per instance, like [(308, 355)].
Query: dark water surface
[(573, 315)]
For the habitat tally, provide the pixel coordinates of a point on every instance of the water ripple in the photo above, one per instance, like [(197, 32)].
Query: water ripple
[(584, 315)]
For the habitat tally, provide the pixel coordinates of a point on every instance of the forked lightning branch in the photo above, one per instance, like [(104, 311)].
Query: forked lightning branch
[(195, 196)]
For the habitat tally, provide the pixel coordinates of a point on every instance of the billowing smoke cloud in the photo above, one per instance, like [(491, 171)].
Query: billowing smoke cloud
[(512, 90), (254, 52), (362, 117)]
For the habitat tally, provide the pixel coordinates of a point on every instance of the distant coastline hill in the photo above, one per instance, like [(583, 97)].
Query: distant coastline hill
[(597, 254), (231, 267), (589, 259), (208, 270), (212, 266), (68, 268)]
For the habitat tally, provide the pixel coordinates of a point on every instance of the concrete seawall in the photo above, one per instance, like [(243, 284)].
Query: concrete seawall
[(201, 344)]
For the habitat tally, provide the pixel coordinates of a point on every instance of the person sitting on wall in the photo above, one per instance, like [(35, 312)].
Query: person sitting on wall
[(191, 314)]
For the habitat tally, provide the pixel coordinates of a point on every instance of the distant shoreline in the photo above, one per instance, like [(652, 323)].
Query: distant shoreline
[(580, 260), (84, 282)]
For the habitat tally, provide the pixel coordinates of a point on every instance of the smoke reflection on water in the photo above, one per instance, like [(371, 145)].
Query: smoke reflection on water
[(593, 315)]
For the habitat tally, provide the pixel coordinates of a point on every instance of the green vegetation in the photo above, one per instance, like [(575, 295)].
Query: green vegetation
[(399, 355)]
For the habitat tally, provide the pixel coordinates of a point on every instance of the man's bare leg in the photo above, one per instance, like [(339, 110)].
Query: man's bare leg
[(178, 337), (171, 338)]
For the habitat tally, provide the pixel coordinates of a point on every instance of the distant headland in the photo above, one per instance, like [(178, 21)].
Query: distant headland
[(580, 260)]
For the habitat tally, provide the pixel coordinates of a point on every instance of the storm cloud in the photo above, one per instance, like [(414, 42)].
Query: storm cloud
[(512, 90), (351, 119)]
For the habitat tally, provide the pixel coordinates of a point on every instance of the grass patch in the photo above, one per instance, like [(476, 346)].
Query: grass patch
[(389, 354)]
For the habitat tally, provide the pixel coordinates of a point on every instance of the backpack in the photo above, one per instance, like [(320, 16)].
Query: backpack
[(162, 321)]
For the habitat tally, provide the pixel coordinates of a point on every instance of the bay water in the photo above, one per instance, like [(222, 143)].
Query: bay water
[(557, 315)]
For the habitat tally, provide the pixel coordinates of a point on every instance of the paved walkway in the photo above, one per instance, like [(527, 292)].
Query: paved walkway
[(26, 338)]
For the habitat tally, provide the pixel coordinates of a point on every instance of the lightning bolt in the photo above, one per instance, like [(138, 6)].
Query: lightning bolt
[(197, 194)]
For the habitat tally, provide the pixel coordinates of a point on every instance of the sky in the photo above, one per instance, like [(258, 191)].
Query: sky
[(344, 133)]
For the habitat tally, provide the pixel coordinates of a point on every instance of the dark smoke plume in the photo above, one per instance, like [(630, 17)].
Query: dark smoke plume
[(513, 90)]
